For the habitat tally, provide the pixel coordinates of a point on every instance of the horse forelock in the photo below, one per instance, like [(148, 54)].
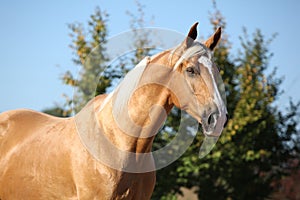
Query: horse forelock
[(195, 49)]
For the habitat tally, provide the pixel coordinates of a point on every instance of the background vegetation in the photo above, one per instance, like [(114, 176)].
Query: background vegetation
[(258, 152)]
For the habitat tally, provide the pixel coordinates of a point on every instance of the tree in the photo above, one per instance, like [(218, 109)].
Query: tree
[(258, 142), (57, 111), (89, 51)]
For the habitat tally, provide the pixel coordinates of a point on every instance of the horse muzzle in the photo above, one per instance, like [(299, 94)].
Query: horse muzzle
[(214, 124)]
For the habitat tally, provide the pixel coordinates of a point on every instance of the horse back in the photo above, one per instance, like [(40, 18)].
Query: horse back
[(17, 126)]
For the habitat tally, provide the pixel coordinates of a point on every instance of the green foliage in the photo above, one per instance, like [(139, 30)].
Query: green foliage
[(259, 140), (257, 144), (56, 111), (89, 54)]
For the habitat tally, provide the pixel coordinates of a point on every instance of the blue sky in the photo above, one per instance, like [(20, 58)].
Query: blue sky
[(34, 39)]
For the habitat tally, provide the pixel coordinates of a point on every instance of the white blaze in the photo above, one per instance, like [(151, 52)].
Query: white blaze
[(206, 62)]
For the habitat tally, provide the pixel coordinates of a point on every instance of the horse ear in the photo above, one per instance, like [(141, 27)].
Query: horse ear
[(213, 40), (192, 35)]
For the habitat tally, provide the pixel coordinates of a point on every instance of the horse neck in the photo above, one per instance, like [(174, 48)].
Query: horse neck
[(131, 124)]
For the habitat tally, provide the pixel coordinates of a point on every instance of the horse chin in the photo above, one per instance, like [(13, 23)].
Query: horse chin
[(213, 131), (210, 133)]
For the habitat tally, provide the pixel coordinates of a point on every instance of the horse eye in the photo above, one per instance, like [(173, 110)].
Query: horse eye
[(190, 71)]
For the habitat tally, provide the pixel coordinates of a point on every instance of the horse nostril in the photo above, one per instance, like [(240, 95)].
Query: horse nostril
[(211, 119)]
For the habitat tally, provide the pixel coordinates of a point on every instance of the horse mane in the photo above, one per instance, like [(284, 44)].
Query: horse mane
[(127, 85)]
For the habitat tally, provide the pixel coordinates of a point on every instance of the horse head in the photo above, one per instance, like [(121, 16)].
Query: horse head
[(196, 82)]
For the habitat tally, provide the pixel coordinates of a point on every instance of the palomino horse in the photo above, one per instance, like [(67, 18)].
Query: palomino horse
[(44, 157)]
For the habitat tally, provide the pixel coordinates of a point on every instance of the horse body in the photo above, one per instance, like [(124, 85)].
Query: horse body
[(42, 157), (45, 157)]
